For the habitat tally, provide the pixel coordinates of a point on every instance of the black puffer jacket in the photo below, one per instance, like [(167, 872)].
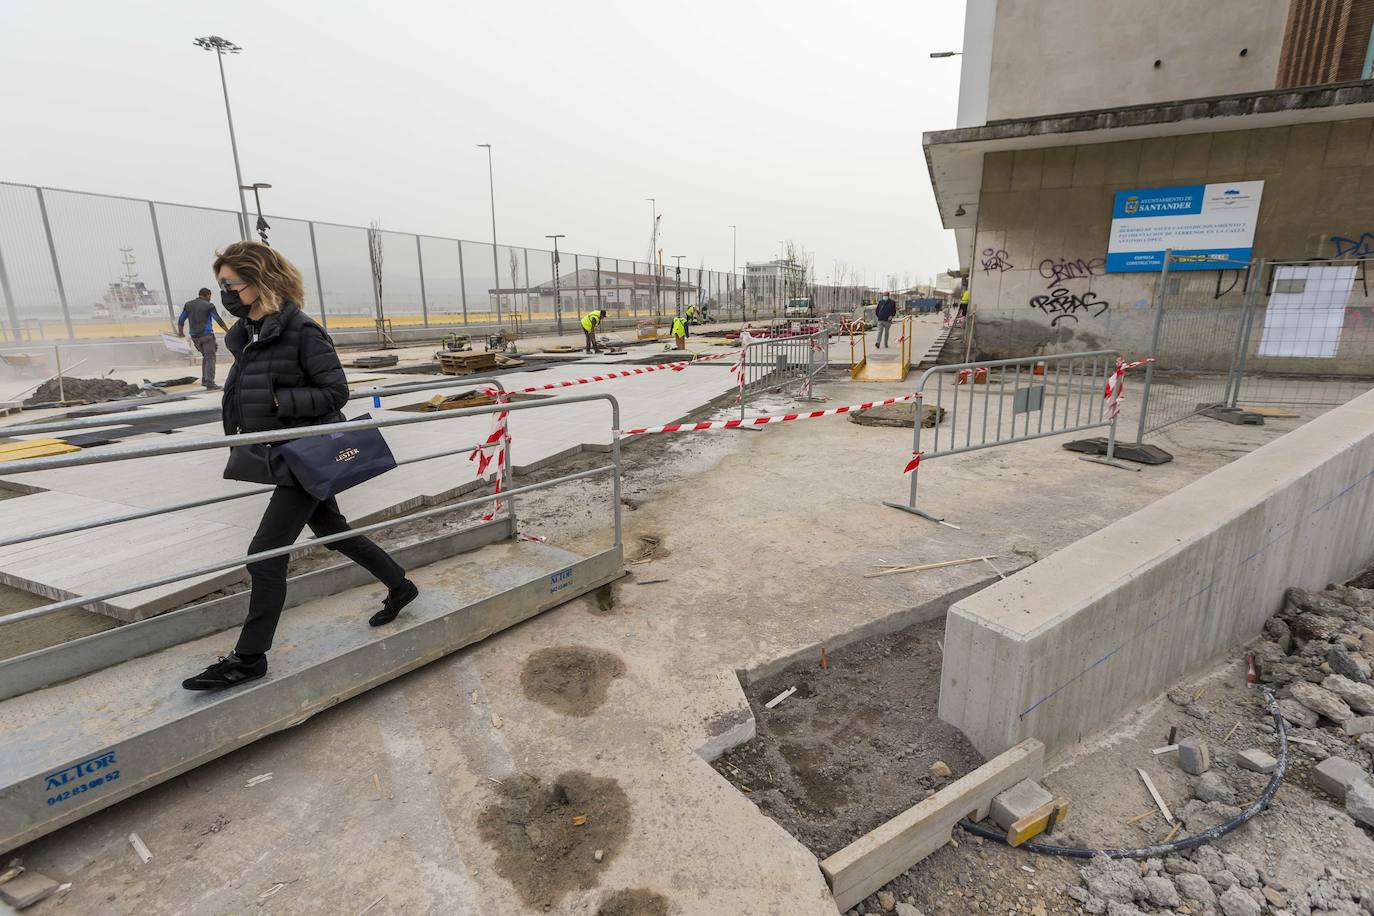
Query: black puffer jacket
[(290, 376)]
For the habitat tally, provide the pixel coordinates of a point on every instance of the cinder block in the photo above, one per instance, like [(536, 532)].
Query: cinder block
[(27, 889), (1193, 756), (1018, 801), (1335, 776), (1256, 761)]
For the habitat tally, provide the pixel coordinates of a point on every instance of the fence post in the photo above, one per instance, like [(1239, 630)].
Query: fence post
[(162, 262), (462, 281), (10, 305), (529, 312), (1254, 282), (56, 268), (424, 300), (1161, 297), (319, 281)]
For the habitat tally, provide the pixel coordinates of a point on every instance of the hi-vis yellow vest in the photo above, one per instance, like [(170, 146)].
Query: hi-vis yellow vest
[(679, 327), (590, 321)]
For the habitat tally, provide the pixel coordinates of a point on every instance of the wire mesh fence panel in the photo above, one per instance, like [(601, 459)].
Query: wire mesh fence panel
[(539, 282), (346, 276), (443, 280), (479, 280), (27, 283), (292, 238), (402, 303), (109, 271), (510, 263), (1199, 318), (1309, 338), (190, 237)]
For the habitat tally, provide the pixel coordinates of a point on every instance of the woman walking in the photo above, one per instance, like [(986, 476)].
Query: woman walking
[(286, 374)]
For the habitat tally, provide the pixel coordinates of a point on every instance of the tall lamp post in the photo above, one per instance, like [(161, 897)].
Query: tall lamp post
[(734, 264), (255, 187), (495, 270), (221, 46), (557, 293)]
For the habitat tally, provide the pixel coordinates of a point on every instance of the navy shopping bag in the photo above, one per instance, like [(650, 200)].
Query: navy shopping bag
[(329, 464)]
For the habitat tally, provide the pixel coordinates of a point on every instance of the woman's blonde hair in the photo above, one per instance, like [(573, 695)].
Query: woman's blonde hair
[(276, 279)]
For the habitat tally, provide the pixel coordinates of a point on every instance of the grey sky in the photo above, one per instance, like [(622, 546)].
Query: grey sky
[(796, 121)]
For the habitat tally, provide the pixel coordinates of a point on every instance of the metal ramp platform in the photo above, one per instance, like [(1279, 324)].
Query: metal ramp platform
[(883, 367), (93, 721), (80, 746)]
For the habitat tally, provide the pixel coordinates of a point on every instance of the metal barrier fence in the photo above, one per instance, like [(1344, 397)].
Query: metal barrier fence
[(775, 362), (998, 402), (1199, 318), (1308, 338), (133, 452), (79, 265), (1260, 333)]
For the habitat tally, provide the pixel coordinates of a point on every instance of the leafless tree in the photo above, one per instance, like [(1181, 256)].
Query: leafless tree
[(514, 283), (374, 254)]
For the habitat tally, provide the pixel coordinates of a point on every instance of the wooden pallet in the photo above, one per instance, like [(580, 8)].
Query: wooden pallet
[(465, 363)]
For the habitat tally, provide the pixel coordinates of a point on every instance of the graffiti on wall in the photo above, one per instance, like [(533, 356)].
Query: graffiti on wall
[(1362, 247), (1062, 304), (996, 259), (1058, 270)]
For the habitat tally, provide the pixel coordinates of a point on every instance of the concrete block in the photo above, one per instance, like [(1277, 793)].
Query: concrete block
[(1335, 776), (876, 858), (1256, 761), (1194, 756), (1359, 803), (27, 889), (1018, 801), (1294, 713), (1362, 725)]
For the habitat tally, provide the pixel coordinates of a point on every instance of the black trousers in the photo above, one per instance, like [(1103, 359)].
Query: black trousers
[(289, 510), (591, 341)]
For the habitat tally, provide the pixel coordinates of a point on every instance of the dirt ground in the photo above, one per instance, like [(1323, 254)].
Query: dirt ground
[(854, 745)]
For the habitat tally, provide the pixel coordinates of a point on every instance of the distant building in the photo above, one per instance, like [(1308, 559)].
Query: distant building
[(1252, 122), (774, 280)]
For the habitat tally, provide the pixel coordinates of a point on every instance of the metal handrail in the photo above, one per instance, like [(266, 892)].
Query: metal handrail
[(972, 371), (113, 419), (106, 456)]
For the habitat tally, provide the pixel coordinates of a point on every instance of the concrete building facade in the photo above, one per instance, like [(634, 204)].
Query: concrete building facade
[(1028, 179)]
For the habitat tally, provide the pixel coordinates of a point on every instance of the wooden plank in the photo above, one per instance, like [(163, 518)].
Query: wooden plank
[(876, 858), (1154, 793), (1034, 824)]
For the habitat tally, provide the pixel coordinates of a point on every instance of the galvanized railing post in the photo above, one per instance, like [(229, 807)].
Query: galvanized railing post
[(1161, 297)]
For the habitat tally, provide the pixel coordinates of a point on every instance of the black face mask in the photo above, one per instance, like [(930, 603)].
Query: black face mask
[(233, 304)]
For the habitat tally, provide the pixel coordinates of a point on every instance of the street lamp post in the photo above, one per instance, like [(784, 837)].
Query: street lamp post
[(734, 264), (220, 46), (653, 255), (495, 270), (557, 293), (677, 283), (255, 187)]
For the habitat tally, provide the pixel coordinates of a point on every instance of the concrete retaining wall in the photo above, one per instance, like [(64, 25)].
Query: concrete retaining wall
[(1060, 649)]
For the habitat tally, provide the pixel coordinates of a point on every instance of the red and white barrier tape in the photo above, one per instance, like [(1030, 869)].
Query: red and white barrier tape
[(762, 421), (914, 463), (638, 370), (1116, 384), (494, 449)]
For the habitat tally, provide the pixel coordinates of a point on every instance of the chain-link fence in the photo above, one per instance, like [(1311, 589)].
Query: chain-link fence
[(75, 265)]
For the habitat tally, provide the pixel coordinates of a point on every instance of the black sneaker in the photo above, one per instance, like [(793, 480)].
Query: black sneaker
[(212, 387), (229, 671), (396, 599)]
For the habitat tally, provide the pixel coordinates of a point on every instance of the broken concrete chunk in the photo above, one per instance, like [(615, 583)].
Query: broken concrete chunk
[(1313, 628), (1194, 756), (1212, 787), (1256, 761), (1162, 892), (1196, 888), (1346, 665), (1321, 701), (1359, 803), (1335, 776), (1018, 801), (1362, 725), (941, 769), (27, 889), (1320, 603), (1294, 713), (1359, 697), (1237, 902), (887, 901)]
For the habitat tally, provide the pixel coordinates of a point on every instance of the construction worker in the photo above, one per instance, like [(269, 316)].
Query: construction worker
[(691, 317), (963, 303), (590, 323), (680, 332)]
